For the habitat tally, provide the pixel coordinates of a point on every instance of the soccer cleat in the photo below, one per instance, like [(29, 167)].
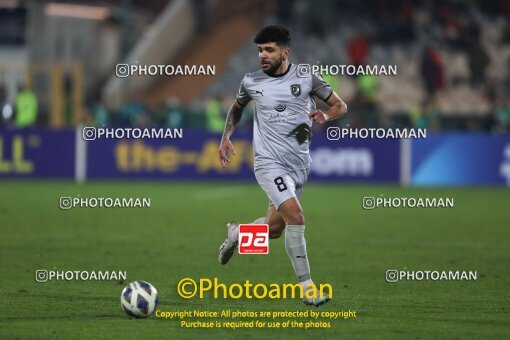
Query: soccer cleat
[(229, 246), (317, 301)]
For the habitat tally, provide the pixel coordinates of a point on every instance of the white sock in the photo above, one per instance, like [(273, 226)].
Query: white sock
[(295, 244), (259, 220)]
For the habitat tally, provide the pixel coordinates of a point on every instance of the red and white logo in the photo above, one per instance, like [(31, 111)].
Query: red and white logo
[(253, 239)]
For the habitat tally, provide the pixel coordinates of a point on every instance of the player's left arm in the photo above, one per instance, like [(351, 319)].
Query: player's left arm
[(337, 108)]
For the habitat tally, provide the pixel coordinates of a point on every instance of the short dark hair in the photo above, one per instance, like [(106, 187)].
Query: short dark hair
[(273, 33)]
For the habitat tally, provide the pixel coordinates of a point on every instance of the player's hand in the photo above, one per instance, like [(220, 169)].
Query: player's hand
[(318, 116), (226, 148)]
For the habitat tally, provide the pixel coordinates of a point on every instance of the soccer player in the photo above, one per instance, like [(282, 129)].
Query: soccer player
[(284, 112)]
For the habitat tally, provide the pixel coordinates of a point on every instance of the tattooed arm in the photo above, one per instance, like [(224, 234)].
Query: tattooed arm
[(233, 117)]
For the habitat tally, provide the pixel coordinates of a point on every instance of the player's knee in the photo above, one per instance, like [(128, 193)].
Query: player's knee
[(296, 218)]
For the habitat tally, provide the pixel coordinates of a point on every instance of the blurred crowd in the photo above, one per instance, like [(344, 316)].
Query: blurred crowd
[(453, 59), (23, 112)]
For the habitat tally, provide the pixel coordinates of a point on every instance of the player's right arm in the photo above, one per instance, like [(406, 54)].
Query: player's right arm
[(233, 117)]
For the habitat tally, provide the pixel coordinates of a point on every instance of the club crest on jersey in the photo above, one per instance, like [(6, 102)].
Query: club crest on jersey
[(295, 89), (280, 107)]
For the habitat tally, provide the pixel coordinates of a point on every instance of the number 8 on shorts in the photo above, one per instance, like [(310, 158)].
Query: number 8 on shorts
[(280, 184)]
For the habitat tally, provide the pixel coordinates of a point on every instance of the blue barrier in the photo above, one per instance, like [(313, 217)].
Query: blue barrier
[(461, 159), (438, 160), (196, 157), (37, 153)]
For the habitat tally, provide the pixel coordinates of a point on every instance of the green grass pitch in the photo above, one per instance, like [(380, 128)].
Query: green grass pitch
[(179, 235)]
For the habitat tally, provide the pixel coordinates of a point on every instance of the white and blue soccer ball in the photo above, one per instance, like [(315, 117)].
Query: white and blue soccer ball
[(139, 299)]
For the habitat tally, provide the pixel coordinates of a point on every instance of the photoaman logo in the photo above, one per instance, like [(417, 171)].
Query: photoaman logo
[(188, 288), (253, 239)]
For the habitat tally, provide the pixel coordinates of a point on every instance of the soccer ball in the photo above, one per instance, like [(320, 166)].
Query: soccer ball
[(139, 299)]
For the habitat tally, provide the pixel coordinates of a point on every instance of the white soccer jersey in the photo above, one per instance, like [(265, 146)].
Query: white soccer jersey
[(281, 122)]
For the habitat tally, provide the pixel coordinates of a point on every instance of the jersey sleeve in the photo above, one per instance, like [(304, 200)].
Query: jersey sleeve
[(242, 97), (320, 88)]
